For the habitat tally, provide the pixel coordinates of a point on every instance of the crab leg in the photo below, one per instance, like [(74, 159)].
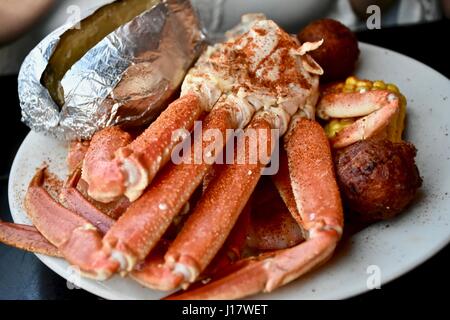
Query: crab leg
[(232, 249), (313, 180), (283, 183), (104, 177), (152, 272), (75, 201), (78, 240), (114, 166), (206, 230), (377, 109), (26, 238), (145, 272), (317, 200), (73, 197), (30, 239), (76, 153), (138, 230), (225, 260)]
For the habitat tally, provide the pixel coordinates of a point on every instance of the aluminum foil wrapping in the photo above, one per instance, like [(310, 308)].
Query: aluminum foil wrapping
[(99, 89)]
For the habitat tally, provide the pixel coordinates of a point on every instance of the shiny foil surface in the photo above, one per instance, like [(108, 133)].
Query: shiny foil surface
[(126, 78)]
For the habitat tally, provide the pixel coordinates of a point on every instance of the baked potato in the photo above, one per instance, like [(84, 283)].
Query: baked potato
[(75, 42)]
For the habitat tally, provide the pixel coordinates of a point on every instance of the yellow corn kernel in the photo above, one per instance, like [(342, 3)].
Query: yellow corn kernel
[(348, 88), (393, 88), (336, 125), (378, 85), (351, 80), (364, 83)]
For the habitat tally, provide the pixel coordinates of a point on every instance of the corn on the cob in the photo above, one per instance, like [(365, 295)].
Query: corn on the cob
[(353, 84)]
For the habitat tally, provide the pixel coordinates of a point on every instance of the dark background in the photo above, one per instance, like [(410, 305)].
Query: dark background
[(23, 276)]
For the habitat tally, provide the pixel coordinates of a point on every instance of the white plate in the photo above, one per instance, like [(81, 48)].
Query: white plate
[(411, 239)]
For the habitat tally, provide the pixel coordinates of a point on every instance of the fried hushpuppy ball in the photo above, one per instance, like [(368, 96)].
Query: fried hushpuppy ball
[(377, 178), (338, 53)]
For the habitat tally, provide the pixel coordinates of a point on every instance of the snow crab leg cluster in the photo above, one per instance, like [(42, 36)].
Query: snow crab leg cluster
[(258, 80)]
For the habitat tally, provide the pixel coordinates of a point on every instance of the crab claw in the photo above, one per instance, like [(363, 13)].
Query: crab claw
[(78, 240), (377, 108)]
